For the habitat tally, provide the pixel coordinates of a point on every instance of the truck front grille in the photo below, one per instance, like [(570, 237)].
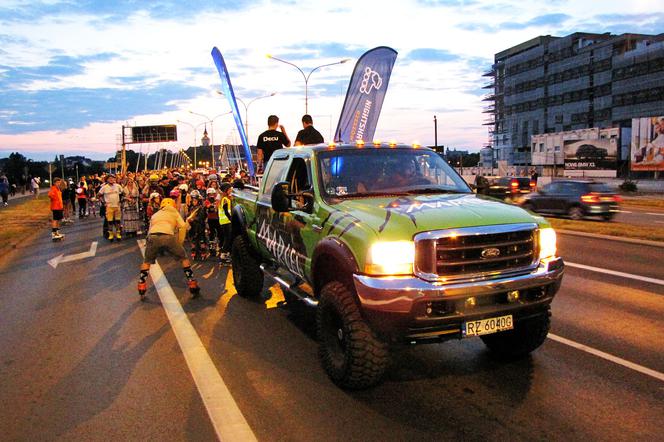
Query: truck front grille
[(476, 251)]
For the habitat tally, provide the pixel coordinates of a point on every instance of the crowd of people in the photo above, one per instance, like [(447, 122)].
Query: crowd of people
[(169, 205), (126, 203)]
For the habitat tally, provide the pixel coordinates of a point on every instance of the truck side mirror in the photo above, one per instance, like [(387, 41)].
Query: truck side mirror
[(279, 198)]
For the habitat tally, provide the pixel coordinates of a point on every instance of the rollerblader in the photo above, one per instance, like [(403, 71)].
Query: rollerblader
[(167, 232), (225, 222), (111, 193), (196, 219), (55, 195)]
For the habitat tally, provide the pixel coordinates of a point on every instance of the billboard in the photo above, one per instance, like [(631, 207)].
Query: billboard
[(647, 149), (599, 154), (152, 134)]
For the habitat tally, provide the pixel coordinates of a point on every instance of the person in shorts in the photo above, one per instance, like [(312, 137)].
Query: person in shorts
[(111, 194), (57, 208), (166, 234)]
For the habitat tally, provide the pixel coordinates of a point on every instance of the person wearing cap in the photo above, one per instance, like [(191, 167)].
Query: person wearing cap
[(166, 235), (111, 194)]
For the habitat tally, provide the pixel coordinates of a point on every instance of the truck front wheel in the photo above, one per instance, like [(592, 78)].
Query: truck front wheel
[(351, 354), (526, 336), (247, 274)]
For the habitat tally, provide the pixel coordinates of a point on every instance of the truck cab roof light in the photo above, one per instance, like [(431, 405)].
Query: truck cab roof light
[(376, 143), (359, 143)]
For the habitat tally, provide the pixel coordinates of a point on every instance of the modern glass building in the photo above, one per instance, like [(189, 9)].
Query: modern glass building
[(583, 80)]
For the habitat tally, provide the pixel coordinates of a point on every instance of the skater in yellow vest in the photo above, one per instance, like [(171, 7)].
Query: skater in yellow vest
[(225, 221)]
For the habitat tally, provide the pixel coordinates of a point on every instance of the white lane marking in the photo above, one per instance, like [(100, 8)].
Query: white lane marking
[(655, 214), (624, 211), (615, 273), (208, 274), (226, 417), (62, 258), (608, 357)]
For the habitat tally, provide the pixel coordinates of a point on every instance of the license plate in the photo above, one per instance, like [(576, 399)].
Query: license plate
[(487, 326)]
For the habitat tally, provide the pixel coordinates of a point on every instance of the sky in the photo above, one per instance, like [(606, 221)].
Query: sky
[(72, 73)]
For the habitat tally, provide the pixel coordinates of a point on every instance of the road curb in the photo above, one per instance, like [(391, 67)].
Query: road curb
[(643, 242)]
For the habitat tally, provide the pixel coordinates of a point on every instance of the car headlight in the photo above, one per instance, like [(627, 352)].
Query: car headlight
[(547, 243), (391, 258)]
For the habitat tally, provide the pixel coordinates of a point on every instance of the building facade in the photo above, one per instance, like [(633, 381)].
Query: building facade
[(560, 84)]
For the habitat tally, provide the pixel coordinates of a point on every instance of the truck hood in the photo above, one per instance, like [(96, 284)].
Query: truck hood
[(399, 218)]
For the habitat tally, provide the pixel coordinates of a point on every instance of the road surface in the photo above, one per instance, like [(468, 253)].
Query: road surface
[(83, 359)]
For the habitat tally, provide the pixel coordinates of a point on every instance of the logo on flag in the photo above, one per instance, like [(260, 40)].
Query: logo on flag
[(370, 81)]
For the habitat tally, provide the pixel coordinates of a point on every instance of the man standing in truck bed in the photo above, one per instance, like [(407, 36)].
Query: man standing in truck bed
[(308, 135), (271, 140)]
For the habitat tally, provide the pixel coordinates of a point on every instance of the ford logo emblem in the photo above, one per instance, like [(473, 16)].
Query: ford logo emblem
[(492, 252)]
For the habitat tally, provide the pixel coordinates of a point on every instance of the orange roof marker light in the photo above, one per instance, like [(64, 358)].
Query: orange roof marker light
[(393, 143), (416, 144), (359, 143), (376, 143), (331, 145)]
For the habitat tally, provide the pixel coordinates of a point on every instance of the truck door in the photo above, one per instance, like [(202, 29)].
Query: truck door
[(265, 216), (295, 227)]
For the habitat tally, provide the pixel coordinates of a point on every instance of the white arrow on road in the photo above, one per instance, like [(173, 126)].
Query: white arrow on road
[(62, 258)]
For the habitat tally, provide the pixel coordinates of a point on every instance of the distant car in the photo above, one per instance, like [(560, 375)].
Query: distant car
[(590, 152), (506, 188), (574, 198)]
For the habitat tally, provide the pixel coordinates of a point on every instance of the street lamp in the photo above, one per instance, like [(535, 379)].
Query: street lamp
[(211, 121), (246, 108), (194, 128), (306, 77)]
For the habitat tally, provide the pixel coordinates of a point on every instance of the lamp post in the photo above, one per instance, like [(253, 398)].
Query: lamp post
[(306, 77), (246, 108), (211, 121), (194, 128)]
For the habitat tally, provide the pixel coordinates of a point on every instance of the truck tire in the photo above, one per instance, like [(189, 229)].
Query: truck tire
[(247, 274), (351, 354), (526, 336)]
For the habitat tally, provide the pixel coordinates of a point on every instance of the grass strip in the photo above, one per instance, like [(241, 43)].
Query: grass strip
[(654, 202), (21, 218), (610, 228)]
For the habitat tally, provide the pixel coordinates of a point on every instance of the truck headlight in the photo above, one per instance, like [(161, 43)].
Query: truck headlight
[(547, 243), (391, 258)]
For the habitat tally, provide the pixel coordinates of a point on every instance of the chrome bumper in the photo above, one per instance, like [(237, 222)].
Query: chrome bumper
[(398, 295)]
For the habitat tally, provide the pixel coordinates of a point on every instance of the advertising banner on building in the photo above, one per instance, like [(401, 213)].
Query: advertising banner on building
[(600, 154), (365, 95), (647, 149)]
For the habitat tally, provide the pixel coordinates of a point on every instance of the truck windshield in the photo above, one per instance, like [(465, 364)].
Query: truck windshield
[(376, 171)]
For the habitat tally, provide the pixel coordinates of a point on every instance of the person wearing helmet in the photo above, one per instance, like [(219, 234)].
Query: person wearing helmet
[(225, 221), (166, 234), (212, 210), (154, 203), (196, 219)]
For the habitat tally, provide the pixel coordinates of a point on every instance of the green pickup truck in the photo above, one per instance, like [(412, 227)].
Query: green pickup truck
[(390, 245)]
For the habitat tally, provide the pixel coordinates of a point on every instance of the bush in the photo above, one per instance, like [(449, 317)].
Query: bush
[(628, 186)]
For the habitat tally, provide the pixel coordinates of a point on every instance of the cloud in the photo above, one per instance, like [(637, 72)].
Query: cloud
[(434, 55), (546, 20), (119, 9), (77, 107)]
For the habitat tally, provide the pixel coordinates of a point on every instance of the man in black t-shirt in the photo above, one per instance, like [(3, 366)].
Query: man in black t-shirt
[(271, 140), (308, 135)]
